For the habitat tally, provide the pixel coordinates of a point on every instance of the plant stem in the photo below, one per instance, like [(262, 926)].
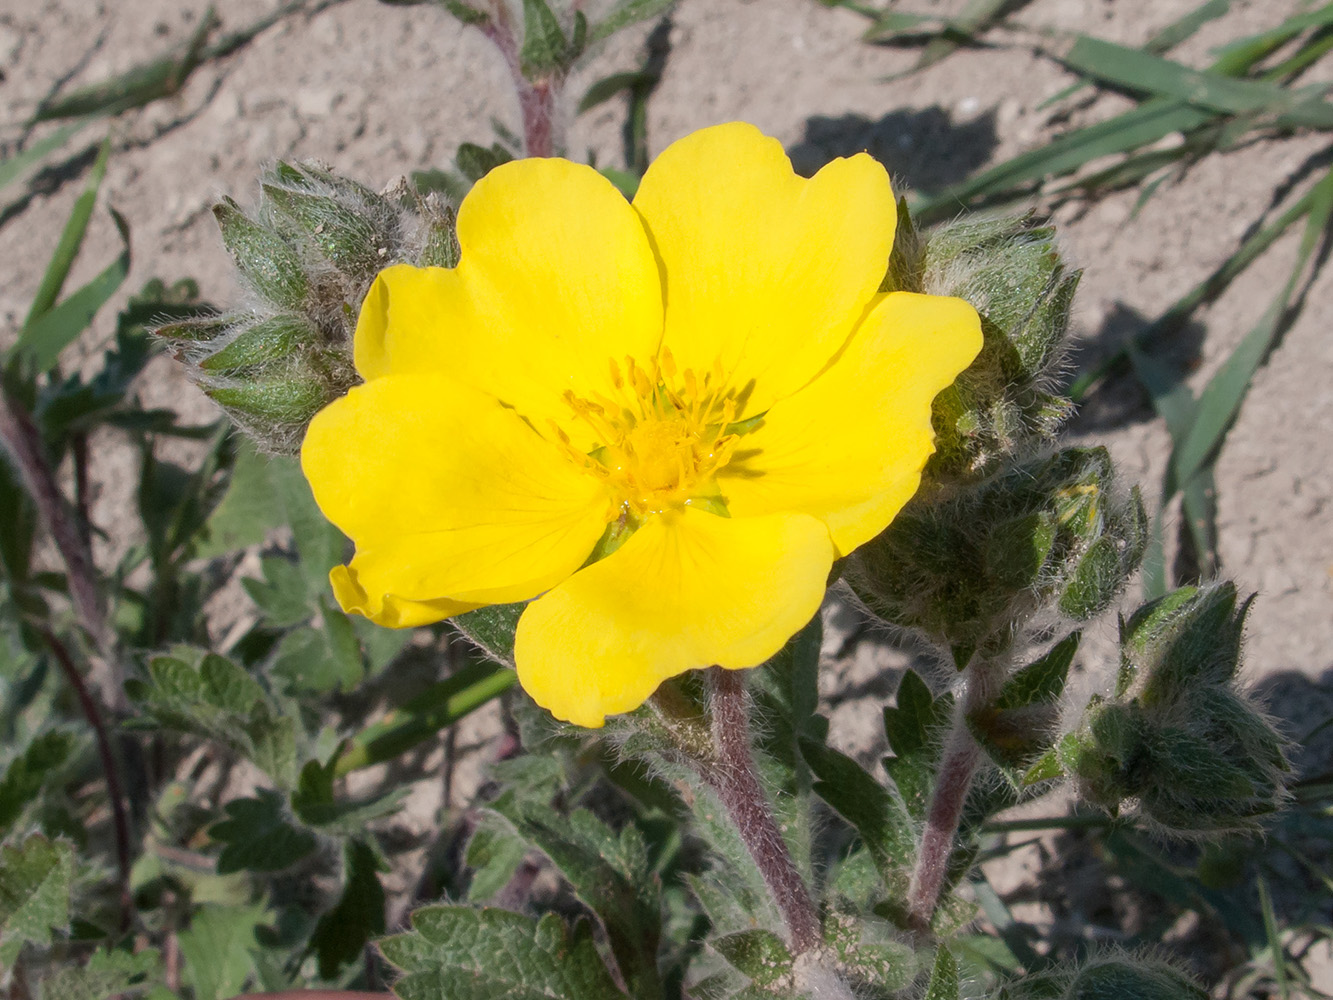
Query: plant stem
[(536, 98), (958, 766), (733, 776), (961, 757), (21, 438), (110, 767)]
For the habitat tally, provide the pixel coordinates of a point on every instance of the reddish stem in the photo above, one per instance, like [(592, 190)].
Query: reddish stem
[(732, 775), (952, 784), (536, 98), (110, 767)]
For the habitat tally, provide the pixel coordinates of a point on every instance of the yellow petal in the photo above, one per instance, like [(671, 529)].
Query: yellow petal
[(449, 496), (689, 589), (389, 610), (764, 270), (556, 279), (849, 448)]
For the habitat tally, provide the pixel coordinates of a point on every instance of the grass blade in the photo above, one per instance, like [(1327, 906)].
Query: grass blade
[(1143, 72), (1274, 940), (71, 238), (60, 326), (1221, 399), (136, 87), (18, 164)]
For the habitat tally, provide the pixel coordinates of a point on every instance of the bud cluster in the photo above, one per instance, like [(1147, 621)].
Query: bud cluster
[(967, 569), (1180, 739), (1010, 270), (308, 255)]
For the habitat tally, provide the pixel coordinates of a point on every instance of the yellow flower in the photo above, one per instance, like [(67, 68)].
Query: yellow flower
[(663, 421)]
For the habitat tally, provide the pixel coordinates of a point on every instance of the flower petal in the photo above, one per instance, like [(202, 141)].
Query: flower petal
[(388, 609), (448, 495), (689, 589), (849, 448), (764, 270), (556, 279)]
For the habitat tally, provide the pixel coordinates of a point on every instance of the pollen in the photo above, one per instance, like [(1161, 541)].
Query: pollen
[(661, 440)]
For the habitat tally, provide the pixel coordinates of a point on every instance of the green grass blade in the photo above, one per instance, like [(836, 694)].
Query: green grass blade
[(1145, 124), (1143, 72), (59, 327), (71, 238), (423, 717), (1274, 940), (1221, 399), (15, 166), (136, 87)]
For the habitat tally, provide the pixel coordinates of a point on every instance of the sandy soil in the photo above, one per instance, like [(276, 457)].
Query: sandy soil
[(378, 91)]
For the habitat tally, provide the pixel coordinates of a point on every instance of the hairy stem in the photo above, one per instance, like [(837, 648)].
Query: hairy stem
[(20, 437), (958, 766), (110, 767), (536, 98), (732, 775)]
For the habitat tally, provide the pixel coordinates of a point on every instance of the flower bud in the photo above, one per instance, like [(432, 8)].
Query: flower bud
[(309, 254), (267, 262), (1010, 270), (967, 568), (1181, 738)]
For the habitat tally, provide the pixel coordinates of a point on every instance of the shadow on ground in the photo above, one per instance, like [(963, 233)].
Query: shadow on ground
[(923, 150)]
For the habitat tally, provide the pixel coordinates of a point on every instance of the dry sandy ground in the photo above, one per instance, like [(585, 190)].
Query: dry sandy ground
[(378, 91)]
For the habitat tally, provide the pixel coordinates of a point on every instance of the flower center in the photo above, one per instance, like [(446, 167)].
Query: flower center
[(660, 445)]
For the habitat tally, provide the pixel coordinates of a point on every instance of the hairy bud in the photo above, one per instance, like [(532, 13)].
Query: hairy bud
[(1010, 270), (1108, 977), (1181, 739), (308, 255), (966, 569)]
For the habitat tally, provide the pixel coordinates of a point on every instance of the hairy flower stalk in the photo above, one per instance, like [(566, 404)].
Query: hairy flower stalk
[(732, 775), (958, 767)]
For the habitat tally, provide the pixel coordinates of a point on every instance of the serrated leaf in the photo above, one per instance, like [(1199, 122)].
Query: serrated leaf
[(609, 873), (758, 954), (873, 811), (106, 974), (218, 948), (342, 933), (314, 803), (460, 953), (259, 836), (35, 881), (494, 854), (281, 595), (41, 760)]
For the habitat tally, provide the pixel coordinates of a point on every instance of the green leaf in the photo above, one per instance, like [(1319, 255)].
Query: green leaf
[(758, 954), (1095, 580), (609, 86), (911, 728), (258, 836), (219, 948), (870, 952), (1043, 680), (475, 162), (282, 594), (314, 802), (544, 47), (625, 13), (460, 953), (609, 873), (494, 852), (943, 976), (42, 760), (342, 933), (106, 974), (15, 166), (34, 893), (136, 87), (492, 628), (1135, 69), (71, 238), (52, 331), (873, 811)]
